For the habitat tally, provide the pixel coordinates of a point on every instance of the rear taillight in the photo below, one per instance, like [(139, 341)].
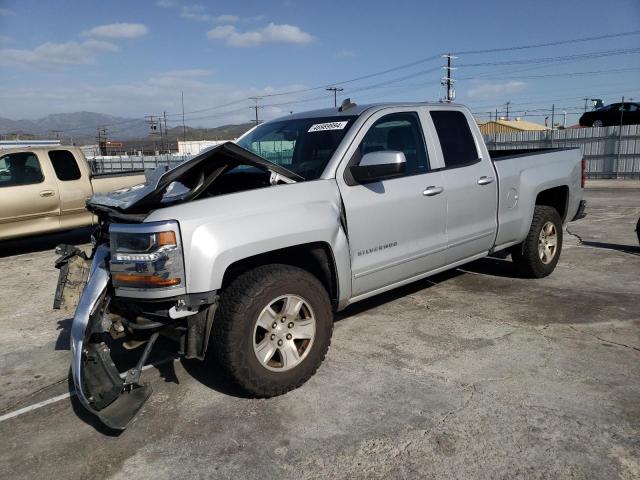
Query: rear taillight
[(583, 179)]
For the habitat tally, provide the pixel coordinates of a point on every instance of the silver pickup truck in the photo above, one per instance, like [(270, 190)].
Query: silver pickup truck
[(245, 252)]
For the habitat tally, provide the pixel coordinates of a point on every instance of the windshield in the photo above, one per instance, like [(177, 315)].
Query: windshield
[(303, 146)]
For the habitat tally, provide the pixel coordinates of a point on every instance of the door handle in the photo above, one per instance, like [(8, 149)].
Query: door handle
[(484, 180), (431, 191), (47, 193)]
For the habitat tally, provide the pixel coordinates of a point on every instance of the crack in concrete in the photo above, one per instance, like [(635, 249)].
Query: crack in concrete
[(580, 241), (462, 407), (604, 339)]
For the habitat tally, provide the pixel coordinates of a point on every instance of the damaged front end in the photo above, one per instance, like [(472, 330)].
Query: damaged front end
[(108, 327), (132, 289)]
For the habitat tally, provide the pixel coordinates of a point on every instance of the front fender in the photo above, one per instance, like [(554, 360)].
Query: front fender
[(220, 231)]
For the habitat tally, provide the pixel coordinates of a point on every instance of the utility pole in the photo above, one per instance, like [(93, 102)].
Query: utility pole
[(101, 139), (166, 132), (155, 127), (335, 91), (184, 129), (256, 107), (585, 104), (619, 139), (553, 112), (508, 103), (448, 81), (57, 133)]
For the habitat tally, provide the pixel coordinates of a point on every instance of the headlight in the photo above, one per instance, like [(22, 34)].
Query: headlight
[(147, 257)]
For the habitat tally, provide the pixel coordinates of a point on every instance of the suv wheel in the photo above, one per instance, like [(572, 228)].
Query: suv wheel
[(273, 329), (597, 123), (538, 255)]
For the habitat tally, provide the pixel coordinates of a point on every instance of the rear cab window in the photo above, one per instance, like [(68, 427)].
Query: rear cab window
[(65, 165), (22, 168), (456, 140)]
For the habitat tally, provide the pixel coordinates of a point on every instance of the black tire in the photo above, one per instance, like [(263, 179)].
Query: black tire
[(233, 329), (526, 256), (638, 230)]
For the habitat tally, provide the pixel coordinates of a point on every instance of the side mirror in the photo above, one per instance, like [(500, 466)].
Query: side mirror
[(376, 166)]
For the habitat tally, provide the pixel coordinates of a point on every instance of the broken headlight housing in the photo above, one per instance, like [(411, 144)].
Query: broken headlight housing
[(146, 260)]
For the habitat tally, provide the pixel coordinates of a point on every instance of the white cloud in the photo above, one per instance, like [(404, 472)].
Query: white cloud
[(118, 30), (272, 33), (69, 53), (5, 12), (195, 12), (343, 54), (487, 91), (227, 18), (187, 73), (156, 94)]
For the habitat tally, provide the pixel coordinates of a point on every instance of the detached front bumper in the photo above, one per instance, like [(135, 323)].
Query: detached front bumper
[(98, 384)]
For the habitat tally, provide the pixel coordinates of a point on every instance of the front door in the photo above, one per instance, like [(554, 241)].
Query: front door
[(396, 227), (29, 199)]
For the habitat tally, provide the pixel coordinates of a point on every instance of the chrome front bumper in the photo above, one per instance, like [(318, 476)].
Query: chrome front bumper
[(80, 329)]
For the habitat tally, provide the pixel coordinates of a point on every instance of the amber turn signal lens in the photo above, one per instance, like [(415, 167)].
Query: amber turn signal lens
[(166, 238), (144, 280)]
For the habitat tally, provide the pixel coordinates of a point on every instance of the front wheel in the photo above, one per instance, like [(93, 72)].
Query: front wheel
[(538, 255), (597, 123), (273, 329)]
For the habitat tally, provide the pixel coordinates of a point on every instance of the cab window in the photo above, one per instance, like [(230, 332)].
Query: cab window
[(456, 139), (398, 132), (21, 168), (65, 165)]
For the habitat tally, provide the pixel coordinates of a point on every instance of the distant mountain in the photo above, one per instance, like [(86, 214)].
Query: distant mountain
[(81, 127), (77, 125)]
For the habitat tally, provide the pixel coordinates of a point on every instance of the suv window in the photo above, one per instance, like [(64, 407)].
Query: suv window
[(65, 165), (456, 140), (20, 169), (398, 132)]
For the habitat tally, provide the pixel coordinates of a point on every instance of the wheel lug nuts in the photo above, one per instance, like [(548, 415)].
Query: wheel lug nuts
[(279, 343), (290, 325), (288, 336), (283, 319), (273, 336), (274, 325)]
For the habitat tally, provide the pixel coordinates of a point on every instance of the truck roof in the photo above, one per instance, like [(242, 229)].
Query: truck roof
[(359, 109)]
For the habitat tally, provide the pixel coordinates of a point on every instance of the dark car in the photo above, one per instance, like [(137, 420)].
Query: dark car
[(610, 115)]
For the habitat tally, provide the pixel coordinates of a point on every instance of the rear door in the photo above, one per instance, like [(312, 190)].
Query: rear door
[(395, 231), (29, 197), (471, 186)]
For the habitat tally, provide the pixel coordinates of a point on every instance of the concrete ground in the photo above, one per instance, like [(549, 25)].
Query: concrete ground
[(472, 374)]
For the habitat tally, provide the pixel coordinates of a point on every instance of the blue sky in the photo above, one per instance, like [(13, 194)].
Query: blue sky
[(132, 58)]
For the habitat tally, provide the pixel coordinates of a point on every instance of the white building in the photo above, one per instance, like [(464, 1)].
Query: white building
[(28, 143), (194, 147)]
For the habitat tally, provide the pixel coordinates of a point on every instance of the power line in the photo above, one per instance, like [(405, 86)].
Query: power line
[(550, 44)]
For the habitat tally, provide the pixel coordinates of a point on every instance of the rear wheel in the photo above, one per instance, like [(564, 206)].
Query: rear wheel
[(538, 255), (597, 123), (273, 329)]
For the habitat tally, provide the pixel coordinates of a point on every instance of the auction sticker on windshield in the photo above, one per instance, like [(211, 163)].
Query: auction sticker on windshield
[(321, 127)]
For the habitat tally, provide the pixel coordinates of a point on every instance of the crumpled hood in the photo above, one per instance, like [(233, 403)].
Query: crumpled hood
[(159, 182)]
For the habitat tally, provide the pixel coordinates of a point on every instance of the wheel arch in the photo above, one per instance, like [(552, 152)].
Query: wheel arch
[(316, 257), (556, 197)]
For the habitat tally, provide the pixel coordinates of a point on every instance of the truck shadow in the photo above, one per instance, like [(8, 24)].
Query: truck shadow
[(41, 243), (630, 249)]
